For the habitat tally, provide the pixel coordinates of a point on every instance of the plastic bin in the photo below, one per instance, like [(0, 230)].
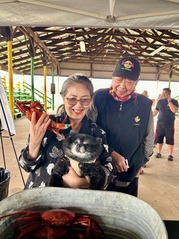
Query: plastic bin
[(4, 183)]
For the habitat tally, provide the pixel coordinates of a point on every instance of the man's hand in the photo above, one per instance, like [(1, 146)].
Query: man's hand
[(169, 98), (119, 162)]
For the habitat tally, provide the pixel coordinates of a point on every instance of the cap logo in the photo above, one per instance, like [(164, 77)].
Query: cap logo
[(127, 65)]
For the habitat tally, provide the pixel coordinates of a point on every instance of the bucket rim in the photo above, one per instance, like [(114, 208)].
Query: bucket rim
[(8, 176)]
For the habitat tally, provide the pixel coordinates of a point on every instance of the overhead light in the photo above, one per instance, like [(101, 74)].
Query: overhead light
[(82, 46), (157, 50)]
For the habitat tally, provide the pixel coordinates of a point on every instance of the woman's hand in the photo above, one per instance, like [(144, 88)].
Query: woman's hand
[(119, 162), (37, 132), (72, 180)]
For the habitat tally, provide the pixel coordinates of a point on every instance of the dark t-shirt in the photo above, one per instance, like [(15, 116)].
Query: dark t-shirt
[(166, 116)]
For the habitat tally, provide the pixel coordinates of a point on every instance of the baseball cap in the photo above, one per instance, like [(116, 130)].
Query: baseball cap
[(127, 67)]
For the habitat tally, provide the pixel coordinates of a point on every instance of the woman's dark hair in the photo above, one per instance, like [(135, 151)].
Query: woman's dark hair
[(80, 79)]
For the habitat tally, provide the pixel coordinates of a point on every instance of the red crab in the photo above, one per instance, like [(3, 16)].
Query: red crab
[(28, 107), (55, 224)]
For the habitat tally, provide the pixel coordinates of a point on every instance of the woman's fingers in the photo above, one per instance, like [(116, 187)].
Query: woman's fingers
[(39, 126), (43, 121)]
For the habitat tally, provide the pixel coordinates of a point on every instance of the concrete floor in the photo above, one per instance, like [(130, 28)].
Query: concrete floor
[(158, 186)]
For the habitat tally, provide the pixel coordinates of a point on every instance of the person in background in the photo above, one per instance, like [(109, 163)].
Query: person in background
[(145, 93), (127, 119), (166, 108), (44, 147)]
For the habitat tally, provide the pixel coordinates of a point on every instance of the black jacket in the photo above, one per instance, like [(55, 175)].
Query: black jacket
[(125, 124)]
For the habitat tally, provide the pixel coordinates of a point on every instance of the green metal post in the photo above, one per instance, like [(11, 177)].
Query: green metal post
[(32, 55), (53, 94), (45, 87), (32, 77), (170, 76)]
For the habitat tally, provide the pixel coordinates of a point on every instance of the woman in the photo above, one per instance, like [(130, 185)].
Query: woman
[(44, 147)]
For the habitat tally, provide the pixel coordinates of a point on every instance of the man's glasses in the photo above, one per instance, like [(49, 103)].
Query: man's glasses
[(74, 101)]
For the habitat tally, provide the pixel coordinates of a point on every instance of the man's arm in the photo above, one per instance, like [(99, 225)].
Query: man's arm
[(155, 112), (149, 140), (172, 107)]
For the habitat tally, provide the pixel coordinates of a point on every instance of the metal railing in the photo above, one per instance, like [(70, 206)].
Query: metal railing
[(39, 96)]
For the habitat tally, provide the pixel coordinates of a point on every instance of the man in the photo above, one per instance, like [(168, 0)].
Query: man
[(128, 121), (166, 107)]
